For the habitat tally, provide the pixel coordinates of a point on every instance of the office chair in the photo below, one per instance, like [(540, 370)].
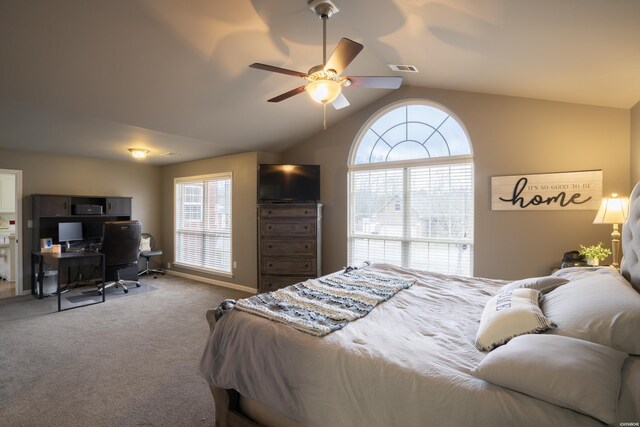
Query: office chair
[(147, 251), (121, 247)]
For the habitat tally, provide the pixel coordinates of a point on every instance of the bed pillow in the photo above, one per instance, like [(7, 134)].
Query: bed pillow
[(544, 284), (145, 244), (598, 308), (567, 372), (575, 273), (508, 314)]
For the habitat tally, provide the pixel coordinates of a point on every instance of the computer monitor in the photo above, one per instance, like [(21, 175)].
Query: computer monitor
[(69, 232)]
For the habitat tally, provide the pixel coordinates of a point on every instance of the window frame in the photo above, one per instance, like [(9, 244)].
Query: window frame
[(405, 165), (194, 179)]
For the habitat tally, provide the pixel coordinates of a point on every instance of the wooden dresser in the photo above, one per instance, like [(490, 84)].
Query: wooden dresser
[(288, 244)]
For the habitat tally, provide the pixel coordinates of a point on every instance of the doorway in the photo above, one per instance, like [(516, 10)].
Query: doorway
[(11, 276)]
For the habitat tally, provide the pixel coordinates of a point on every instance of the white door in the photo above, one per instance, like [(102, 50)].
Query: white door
[(11, 225)]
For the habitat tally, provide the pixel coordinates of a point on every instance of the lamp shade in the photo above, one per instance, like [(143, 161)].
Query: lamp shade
[(323, 91), (613, 210)]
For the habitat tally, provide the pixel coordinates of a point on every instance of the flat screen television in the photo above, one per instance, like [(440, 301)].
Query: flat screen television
[(288, 183)]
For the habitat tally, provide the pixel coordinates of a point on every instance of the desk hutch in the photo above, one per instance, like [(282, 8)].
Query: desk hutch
[(51, 209)]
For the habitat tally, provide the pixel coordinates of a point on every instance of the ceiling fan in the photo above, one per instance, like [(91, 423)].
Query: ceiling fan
[(325, 82)]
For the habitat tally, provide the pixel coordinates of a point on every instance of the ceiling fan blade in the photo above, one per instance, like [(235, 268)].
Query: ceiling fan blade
[(343, 54), (376, 82), (340, 102), (287, 94), (273, 69)]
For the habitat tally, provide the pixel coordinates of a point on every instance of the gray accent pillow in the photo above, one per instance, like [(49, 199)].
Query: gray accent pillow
[(509, 314), (544, 284), (600, 308), (575, 273), (567, 372)]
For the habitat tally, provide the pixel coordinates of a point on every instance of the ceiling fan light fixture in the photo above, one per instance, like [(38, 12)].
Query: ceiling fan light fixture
[(323, 91)]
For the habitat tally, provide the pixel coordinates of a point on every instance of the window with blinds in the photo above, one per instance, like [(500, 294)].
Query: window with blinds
[(411, 197), (203, 222)]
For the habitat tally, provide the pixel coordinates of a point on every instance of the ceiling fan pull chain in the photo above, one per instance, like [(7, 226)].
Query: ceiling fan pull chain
[(324, 121)]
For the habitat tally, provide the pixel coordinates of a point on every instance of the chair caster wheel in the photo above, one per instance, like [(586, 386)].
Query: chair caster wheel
[(126, 291), (99, 292), (155, 277), (137, 285)]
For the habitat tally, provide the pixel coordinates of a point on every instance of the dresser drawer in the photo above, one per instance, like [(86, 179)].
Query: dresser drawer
[(272, 283), (283, 211), (288, 266), (269, 247), (288, 228)]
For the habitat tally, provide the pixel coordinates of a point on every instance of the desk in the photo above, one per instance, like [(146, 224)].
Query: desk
[(61, 261)]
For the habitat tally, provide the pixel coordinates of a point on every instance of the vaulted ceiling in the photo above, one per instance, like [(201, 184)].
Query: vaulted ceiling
[(96, 77)]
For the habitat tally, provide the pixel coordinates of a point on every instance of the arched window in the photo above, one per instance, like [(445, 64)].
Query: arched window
[(411, 190)]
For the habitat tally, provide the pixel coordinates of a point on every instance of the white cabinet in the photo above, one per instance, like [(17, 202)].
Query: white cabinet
[(7, 193)]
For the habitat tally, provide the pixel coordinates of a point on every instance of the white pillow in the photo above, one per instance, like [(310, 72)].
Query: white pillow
[(508, 314), (544, 284), (601, 308), (567, 372), (145, 244)]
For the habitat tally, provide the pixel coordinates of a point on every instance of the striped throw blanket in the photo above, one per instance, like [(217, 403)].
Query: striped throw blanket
[(321, 306)]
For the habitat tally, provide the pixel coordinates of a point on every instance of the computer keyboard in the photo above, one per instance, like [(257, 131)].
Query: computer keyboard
[(75, 250)]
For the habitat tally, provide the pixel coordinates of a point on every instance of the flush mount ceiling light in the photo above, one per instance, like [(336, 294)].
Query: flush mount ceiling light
[(325, 80), (138, 153)]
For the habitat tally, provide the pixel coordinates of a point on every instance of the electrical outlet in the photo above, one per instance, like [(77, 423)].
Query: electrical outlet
[(29, 223), (235, 264)]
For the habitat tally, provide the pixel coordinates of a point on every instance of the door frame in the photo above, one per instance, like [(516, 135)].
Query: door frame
[(18, 261)]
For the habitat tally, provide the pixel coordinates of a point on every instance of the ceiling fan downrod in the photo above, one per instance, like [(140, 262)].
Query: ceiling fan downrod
[(324, 9)]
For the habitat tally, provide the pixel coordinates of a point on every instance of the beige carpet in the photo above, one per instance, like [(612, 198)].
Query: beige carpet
[(131, 361)]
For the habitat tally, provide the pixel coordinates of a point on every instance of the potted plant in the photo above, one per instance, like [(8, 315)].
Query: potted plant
[(594, 253)]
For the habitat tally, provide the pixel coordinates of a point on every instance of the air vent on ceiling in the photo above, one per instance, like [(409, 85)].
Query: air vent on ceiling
[(403, 68), (169, 154)]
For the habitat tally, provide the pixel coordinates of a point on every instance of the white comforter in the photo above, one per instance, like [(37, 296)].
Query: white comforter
[(406, 363)]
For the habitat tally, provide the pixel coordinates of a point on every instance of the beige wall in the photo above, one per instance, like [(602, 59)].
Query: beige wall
[(635, 145), (52, 174), (244, 168), (509, 136)]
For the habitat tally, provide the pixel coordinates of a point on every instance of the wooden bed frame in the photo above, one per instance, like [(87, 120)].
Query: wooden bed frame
[(227, 402)]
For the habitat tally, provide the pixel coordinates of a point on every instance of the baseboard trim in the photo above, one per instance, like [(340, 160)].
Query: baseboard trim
[(212, 281)]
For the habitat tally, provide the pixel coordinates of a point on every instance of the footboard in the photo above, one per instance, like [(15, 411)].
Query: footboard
[(227, 408)]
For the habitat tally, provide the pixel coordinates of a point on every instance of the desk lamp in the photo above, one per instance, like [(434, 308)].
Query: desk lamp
[(613, 210)]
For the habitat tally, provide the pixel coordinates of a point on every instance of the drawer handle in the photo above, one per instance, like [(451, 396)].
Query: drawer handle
[(269, 212), (269, 228), (270, 246), (305, 212), (306, 227), (270, 265), (306, 246), (306, 266)]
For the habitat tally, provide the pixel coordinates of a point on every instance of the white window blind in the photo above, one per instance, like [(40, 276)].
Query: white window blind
[(203, 222), (432, 230)]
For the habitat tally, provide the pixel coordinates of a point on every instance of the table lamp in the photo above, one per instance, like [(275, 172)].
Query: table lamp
[(613, 210)]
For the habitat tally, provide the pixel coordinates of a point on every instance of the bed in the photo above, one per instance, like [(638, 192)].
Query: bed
[(414, 359)]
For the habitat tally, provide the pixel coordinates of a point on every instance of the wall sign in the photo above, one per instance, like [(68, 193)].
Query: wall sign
[(547, 191)]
